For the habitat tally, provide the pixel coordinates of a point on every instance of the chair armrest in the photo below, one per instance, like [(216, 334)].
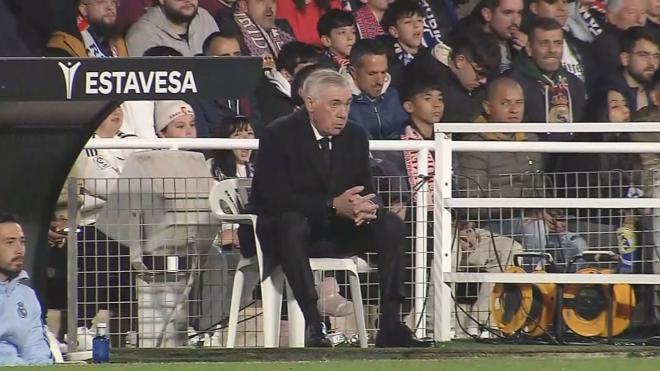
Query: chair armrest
[(238, 218)]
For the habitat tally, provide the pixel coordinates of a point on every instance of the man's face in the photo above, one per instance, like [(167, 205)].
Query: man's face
[(408, 30), (632, 13), (262, 12), (554, 9), (101, 14), (12, 249), (653, 8), (505, 20), (468, 73), (180, 11), (181, 127), (329, 111), (546, 48), (341, 40), (642, 63), (426, 107), (370, 75), (223, 47), (507, 104)]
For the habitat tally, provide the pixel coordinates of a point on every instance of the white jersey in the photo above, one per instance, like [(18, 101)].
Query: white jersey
[(570, 62), (103, 166)]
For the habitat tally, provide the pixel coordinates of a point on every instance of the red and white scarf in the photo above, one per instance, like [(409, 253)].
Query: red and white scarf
[(367, 23), (338, 60), (91, 45), (259, 41), (410, 159)]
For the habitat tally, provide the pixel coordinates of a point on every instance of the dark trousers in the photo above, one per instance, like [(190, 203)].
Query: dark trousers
[(299, 241)]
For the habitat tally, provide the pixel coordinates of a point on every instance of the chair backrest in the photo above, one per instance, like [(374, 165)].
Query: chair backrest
[(230, 196)]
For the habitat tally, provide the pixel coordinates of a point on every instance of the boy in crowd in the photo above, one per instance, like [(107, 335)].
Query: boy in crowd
[(423, 101), (337, 31), (403, 21)]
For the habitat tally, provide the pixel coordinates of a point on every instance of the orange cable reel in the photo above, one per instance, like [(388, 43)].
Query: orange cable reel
[(585, 306)]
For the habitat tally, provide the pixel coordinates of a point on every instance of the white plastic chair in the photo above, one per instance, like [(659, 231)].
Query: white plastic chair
[(225, 200)]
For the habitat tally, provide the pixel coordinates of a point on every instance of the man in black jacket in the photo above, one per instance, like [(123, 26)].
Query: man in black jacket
[(475, 56), (273, 95), (551, 93), (314, 195), (639, 61), (621, 15), (576, 57)]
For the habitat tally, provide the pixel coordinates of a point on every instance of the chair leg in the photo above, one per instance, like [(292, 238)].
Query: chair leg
[(358, 307), (271, 303), (235, 306), (296, 320)]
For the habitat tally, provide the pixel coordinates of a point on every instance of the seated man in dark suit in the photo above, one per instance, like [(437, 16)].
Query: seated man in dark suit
[(314, 195)]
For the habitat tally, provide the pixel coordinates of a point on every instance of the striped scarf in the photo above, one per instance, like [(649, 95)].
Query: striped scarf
[(367, 23), (410, 159), (92, 47), (336, 59), (258, 41)]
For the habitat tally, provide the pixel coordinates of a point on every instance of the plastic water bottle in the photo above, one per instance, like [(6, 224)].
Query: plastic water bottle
[(627, 245), (101, 344)]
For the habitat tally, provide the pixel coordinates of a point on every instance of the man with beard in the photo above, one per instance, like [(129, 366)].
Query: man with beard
[(256, 20), (22, 339), (606, 47), (96, 33), (501, 18), (181, 25), (552, 94), (639, 60), (576, 57)]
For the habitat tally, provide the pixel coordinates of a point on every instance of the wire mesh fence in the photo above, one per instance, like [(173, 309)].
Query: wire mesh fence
[(555, 241), (155, 265)]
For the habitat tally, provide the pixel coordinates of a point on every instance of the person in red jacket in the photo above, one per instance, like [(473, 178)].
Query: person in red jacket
[(303, 15)]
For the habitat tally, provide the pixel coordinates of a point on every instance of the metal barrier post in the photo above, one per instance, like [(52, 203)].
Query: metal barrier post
[(72, 265), (442, 238), (421, 212)]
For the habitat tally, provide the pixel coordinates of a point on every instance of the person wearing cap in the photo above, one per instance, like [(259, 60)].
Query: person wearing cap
[(174, 119)]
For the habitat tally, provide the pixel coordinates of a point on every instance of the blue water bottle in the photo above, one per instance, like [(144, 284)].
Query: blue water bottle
[(101, 344)]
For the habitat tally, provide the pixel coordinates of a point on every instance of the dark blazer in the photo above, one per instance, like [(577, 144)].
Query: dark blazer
[(288, 175)]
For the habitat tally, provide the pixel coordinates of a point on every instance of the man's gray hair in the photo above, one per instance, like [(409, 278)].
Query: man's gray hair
[(615, 5), (318, 80)]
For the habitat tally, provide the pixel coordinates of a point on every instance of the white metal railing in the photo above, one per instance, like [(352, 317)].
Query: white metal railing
[(442, 274), (443, 201), (421, 208)]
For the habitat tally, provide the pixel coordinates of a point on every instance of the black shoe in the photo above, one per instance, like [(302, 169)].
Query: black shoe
[(316, 336), (399, 336)]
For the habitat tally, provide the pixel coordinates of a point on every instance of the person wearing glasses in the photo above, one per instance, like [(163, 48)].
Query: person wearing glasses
[(93, 34), (620, 16), (639, 59), (463, 72)]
